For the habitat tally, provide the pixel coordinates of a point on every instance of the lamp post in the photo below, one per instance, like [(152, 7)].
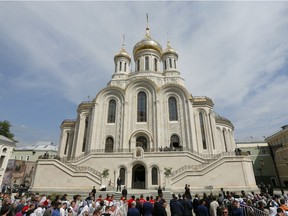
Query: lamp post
[(272, 149), (260, 169)]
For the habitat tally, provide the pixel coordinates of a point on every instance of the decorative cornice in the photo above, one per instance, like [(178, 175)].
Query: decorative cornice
[(225, 121), (202, 101)]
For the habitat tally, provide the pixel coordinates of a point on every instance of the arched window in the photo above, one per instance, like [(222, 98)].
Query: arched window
[(146, 63), (85, 134), (122, 175), (174, 141), (120, 67), (154, 174), (141, 108), (170, 63), (111, 111), (66, 144), (201, 118), (174, 63), (173, 116), (155, 64), (141, 142), (165, 65), (109, 144), (2, 158), (224, 139), (125, 66), (212, 132), (138, 65)]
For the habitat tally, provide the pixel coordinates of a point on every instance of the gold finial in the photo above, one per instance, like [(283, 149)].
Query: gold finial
[(147, 28), (123, 41), (168, 42)]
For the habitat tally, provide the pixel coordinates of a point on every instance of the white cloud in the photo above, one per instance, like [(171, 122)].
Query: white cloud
[(229, 51)]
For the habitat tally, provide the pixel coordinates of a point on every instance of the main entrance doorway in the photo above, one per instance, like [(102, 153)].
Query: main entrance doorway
[(138, 177)]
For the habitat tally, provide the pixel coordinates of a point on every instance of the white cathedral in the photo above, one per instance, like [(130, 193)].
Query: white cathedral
[(145, 127)]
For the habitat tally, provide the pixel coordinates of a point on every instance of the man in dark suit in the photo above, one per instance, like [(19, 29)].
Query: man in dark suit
[(124, 192), (202, 210), (119, 182)]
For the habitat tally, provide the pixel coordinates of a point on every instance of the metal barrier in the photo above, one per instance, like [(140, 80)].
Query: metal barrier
[(252, 211)]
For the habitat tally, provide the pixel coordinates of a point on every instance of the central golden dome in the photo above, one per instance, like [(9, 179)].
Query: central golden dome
[(147, 43)]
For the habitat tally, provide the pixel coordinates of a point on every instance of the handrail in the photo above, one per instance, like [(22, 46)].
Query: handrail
[(147, 151), (201, 166), (83, 169)]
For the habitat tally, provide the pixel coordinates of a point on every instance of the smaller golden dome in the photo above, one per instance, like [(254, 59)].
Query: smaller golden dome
[(169, 50), (122, 53)]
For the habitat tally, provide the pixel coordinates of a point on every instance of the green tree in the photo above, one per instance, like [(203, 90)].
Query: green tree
[(5, 130)]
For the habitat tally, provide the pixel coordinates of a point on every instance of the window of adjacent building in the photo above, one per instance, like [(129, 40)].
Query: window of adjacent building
[(122, 175), (173, 116), (141, 107), (21, 157), (175, 141), (15, 157), (111, 111), (85, 134), (170, 63), (155, 64), (154, 174), (109, 144), (27, 158), (202, 127), (146, 63)]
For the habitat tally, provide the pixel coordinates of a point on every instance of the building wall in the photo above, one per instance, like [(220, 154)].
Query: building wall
[(263, 166), (278, 143), (6, 148), (30, 155)]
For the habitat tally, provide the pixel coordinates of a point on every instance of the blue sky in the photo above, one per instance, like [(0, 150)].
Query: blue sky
[(54, 55)]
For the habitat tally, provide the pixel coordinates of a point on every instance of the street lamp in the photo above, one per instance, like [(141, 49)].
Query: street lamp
[(260, 169), (272, 152)]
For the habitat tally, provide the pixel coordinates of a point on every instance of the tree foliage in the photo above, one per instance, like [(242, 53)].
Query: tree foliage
[(5, 130), (167, 171), (105, 173)]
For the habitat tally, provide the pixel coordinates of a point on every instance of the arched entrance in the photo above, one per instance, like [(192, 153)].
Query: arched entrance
[(138, 177)]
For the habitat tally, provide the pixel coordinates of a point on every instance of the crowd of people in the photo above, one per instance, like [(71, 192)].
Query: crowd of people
[(225, 203)]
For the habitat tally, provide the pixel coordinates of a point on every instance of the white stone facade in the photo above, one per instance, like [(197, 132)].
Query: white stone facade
[(142, 123)]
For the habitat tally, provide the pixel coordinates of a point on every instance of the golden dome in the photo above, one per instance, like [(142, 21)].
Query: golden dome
[(169, 50), (147, 43), (122, 53)]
